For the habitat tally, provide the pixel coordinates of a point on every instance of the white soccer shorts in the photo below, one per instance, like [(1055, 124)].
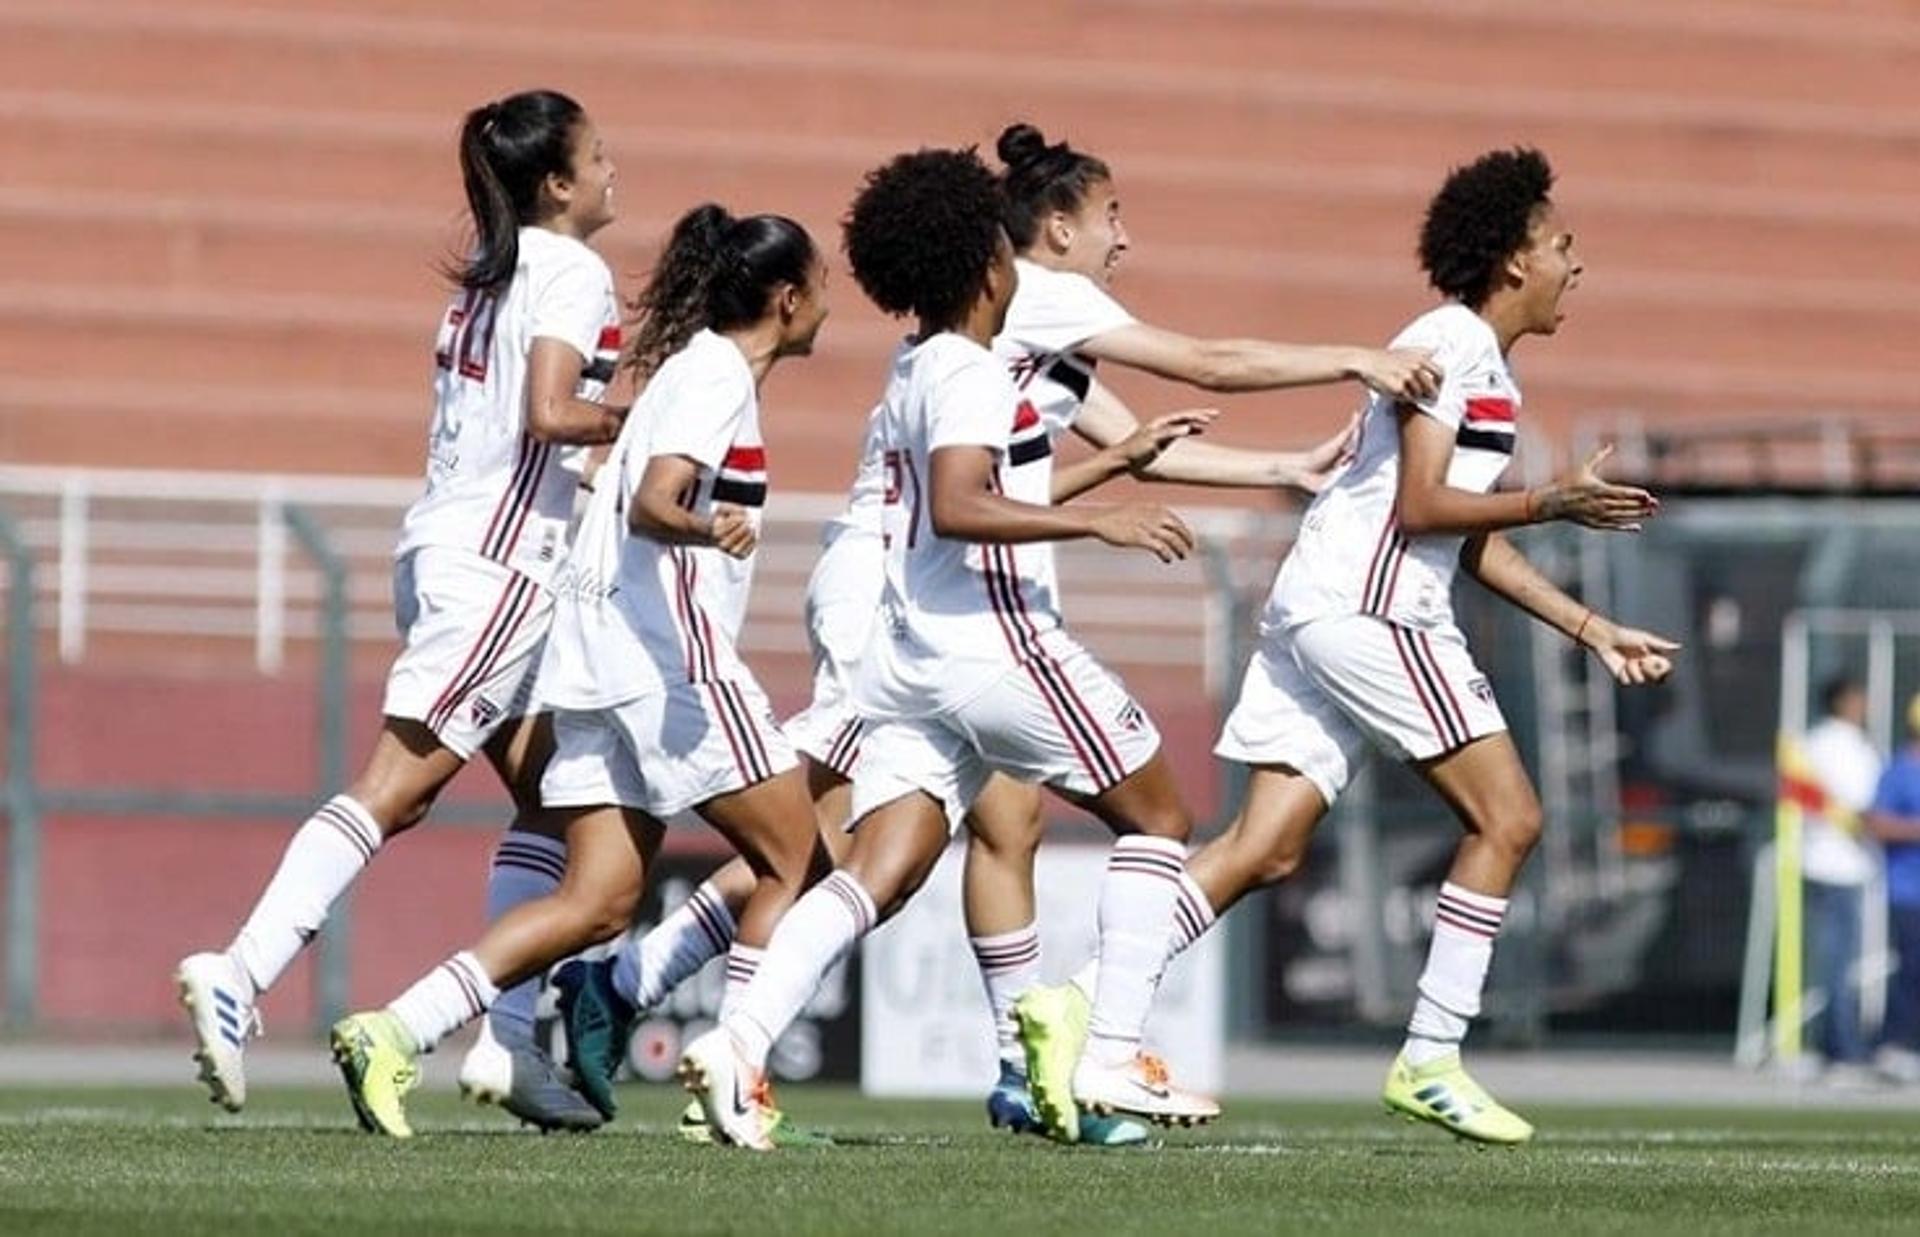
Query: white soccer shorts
[(1314, 694), (843, 595), (1063, 720), (471, 631), (666, 751)]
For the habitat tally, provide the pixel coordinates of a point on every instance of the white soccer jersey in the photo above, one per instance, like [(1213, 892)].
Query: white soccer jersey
[(492, 488), (861, 515), (955, 615), (637, 615), (1053, 313), (1351, 557)]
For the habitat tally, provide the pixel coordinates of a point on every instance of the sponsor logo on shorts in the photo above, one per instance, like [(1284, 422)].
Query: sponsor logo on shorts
[(1481, 688)]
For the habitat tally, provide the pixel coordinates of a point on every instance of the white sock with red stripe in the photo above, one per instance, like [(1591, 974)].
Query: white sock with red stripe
[(1136, 921), (525, 866), (1009, 965), (822, 927), (445, 999), (1464, 925), (743, 963), (326, 853), (699, 930), (1193, 918)]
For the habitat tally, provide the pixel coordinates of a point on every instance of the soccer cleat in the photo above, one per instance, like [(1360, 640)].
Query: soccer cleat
[(1053, 1028), (1010, 1107), (781, 1132), (376, 1058), (523, 1081), (1010, 1103), (219, 1002), (599, 1024), (1141, 1086), (1441, 1092), (732, 1093)]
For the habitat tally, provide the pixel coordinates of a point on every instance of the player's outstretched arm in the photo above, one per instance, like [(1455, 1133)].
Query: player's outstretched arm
[(656, 511), (1106, 421), (962, 505), (1261, 365), (1132, 453), (1630, 655), (1426, 505), (554, 413)]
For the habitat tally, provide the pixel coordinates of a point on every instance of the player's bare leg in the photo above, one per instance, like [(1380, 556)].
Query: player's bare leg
[(404, 774), (1486, 785)]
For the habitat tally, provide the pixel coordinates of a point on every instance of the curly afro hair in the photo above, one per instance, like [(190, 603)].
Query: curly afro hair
[(1479, 218), (923, 232)]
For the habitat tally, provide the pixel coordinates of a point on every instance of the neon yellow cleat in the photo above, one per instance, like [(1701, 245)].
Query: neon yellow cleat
[(1442, 1093), (376, 1058), (1053, 1029)]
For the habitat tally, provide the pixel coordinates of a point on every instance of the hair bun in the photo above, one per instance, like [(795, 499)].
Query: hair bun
[(1020, 143)]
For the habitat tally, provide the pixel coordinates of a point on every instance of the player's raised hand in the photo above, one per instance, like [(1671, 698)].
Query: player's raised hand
[(1580, 495), (1148, 526), (1144, 445), (1630, 655), (1402, 373), (732, 534)]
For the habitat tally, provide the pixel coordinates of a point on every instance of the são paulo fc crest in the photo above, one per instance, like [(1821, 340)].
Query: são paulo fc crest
[(484, 711), (1130, 717), (1481, 688)]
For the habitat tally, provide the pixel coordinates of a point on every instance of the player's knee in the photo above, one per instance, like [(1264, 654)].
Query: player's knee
[(1515, 829), (1164, 820), (601, 914), (1278, 863)]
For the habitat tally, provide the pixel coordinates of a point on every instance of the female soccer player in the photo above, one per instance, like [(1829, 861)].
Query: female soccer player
[(969, 667), (1065, 224), (524, 354), (1359, 643), (655, 713)]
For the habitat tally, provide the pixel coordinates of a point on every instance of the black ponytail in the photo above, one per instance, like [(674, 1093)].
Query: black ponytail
[(717, 273), (1040, 179), (507, 150)]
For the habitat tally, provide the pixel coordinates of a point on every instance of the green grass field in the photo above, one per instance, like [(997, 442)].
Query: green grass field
[(156, 1161)]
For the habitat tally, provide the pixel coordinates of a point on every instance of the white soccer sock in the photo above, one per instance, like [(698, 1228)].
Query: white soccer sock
[(1009, 965), (1193, 916), (822, 926), (700, 929), (525, 866), (326, 853), (743, 963), (1136, 923), (1464, 925), (445, 999)]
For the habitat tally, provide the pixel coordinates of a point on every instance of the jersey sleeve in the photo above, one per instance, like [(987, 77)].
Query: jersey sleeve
[(973, 407), (703, 417), (1057, 312), (1464, 360), (574, 305)]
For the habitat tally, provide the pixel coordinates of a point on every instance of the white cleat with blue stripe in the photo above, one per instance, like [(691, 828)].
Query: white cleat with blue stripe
[(219, 1001)]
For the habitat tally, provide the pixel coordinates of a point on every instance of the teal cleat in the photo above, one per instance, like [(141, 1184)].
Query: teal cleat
[(599, 1025), (1010, 1107)]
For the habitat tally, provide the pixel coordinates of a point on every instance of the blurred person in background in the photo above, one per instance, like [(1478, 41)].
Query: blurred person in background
[(1836, 864), (1894, 819)]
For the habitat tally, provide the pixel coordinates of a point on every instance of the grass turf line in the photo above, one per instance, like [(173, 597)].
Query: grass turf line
[(123, 1161)]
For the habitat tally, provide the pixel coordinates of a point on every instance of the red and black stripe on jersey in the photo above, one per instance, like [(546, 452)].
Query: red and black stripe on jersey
[(1488, 425), (743, 478), (1029, 440), (606, 355)]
